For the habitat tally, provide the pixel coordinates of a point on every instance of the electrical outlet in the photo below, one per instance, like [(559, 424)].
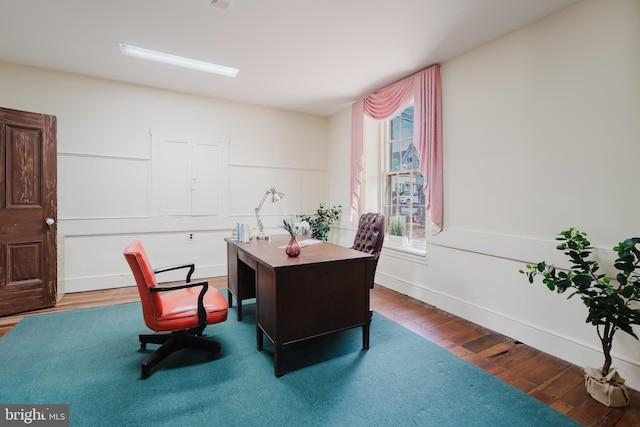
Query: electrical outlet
[(190, 236)]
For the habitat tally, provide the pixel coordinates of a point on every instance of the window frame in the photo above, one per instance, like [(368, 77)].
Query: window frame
[(403, 179)]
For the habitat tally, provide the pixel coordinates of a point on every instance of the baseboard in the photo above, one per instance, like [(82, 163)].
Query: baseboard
[(565, 348)]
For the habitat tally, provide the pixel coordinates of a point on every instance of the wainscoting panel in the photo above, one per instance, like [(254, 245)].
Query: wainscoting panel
[(102, 187)]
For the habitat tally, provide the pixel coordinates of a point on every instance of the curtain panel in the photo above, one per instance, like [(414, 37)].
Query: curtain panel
[(423, 88)]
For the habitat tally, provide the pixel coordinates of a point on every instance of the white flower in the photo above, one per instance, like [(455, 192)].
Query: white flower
[(294, 227)]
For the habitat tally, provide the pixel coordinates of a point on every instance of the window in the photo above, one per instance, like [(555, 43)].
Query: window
[(402, 187)]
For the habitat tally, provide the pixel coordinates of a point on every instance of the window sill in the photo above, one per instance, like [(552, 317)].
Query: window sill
[(405, 249)]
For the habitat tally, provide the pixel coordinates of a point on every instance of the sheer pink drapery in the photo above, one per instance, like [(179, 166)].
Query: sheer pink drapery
[(425, 91)]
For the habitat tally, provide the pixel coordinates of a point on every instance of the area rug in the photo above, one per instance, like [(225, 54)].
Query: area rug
[(90, 360)]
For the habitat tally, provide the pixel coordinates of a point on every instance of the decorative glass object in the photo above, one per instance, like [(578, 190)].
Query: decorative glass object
[(293, 248)]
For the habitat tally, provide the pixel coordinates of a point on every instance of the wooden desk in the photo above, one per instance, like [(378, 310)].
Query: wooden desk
[(322, 291)]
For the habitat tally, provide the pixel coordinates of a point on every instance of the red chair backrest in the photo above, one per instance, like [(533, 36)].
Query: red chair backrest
[(145, 278)]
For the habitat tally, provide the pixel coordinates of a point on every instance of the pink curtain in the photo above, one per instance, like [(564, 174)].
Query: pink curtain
[(424, 89), (357, 155)]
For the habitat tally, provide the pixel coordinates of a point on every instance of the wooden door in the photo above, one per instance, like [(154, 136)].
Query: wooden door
[(28, 207)]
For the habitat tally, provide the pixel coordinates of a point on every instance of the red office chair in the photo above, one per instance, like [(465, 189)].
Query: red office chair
[(369, 238), (180, 311)]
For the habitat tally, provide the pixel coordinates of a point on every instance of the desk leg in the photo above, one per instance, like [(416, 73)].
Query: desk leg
[(365, 335), (239, 309), (239, 304), (259, 338), (277, 349)]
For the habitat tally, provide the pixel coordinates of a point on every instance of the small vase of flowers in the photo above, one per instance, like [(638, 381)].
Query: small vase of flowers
[(294, 226)]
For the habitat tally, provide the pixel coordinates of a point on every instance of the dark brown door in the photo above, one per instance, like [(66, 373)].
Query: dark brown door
[(28, 207)]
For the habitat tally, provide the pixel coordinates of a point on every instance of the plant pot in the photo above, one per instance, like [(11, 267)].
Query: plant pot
[(609, 390)]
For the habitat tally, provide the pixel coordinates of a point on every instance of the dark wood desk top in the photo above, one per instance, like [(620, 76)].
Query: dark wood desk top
[(271, 252)]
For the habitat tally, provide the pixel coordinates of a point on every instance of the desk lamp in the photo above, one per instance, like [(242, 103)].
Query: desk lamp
[(275, 196)]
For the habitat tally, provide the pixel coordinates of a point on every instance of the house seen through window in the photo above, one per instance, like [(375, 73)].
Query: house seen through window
[(403, 197)]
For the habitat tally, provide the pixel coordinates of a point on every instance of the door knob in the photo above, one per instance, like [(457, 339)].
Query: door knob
[(49, 221)]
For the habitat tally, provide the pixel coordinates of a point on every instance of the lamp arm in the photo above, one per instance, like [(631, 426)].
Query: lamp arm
[(260, 207)]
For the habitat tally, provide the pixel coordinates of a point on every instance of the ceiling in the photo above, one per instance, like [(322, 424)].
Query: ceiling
[(301, 55)]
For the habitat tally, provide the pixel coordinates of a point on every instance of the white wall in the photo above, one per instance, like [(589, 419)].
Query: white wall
[(104, 142), (541, 133)]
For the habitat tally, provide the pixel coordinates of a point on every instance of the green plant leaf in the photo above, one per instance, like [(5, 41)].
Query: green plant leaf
[(627, 292), (582, 279), (621, 278)]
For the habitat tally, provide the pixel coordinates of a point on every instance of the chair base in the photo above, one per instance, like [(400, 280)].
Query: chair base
[(170, 342)]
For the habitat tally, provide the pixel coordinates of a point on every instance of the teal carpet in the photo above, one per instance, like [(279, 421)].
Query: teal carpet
[(90, 359)]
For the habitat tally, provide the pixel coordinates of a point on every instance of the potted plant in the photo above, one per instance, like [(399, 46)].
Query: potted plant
[(322, 220), (611, 301), (397, 229)]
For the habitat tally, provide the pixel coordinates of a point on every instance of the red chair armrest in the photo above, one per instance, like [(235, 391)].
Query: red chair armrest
[(202, 313), (191, 268)]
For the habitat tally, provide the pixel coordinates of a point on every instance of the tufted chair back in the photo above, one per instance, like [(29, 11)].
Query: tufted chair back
[(369, 238), (370, 233)]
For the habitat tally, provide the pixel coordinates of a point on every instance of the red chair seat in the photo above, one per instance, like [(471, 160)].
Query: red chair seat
[(178, 309)]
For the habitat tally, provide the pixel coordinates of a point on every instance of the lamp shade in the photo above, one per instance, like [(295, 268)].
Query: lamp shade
[(276, 195)]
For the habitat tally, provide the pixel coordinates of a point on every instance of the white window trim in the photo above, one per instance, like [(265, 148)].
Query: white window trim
[(383, 130)]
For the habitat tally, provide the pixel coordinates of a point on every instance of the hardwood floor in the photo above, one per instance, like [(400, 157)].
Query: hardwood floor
[(553, 381)]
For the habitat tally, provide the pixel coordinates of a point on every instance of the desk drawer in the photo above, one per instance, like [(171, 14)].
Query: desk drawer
[(251, 262)]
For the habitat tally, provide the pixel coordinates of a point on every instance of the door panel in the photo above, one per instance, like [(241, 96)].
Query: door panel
[(28, 276)]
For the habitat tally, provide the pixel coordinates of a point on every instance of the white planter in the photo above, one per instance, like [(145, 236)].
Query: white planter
[(610, 390)]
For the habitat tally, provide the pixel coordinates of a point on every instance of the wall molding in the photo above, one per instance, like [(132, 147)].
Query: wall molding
[(88, 187), (116, 281), (515, 248), (276, 167), (101, 156)]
